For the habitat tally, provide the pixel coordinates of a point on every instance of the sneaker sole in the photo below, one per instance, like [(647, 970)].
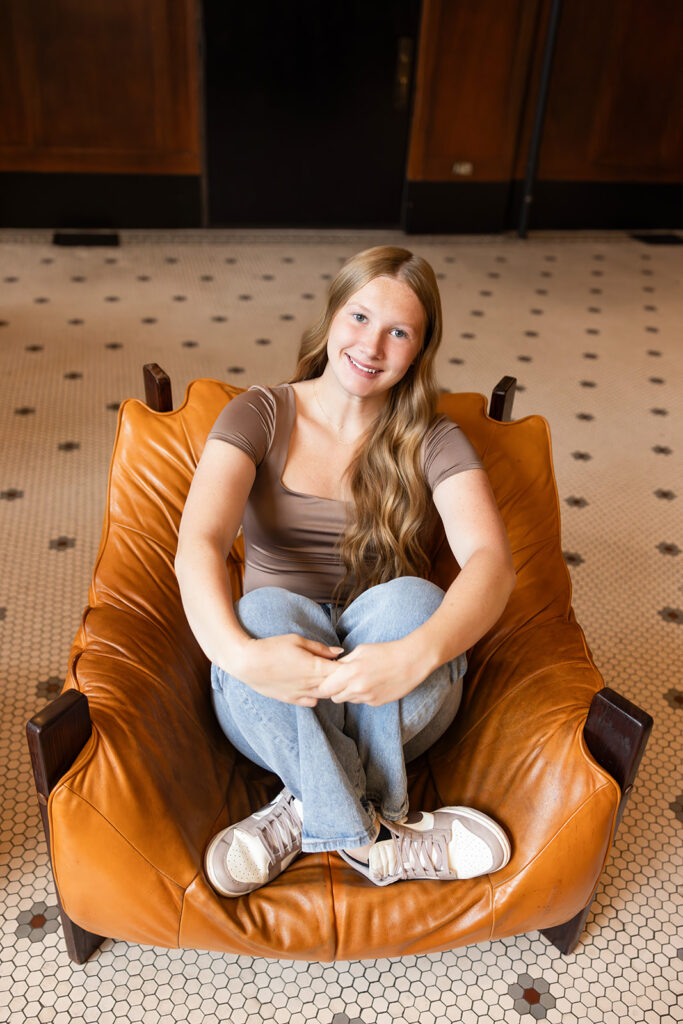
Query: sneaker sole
[(492, 826)]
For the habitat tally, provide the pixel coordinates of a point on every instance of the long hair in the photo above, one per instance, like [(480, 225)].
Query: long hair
[(392, 517)]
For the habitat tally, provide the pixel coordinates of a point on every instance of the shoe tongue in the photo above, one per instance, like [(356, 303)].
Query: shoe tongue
[(382, 859)]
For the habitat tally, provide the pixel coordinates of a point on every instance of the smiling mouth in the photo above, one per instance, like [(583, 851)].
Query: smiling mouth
[(359, 366)]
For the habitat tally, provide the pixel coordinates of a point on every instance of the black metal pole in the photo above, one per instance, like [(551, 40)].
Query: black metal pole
[(535, 145)]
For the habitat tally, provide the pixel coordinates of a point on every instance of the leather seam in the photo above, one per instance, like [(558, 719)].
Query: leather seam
[(591, 796), (334, 928), (492, 895), (126, 840), (199, 869)]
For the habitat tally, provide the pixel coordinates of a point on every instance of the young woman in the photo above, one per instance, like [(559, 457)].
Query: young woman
[(342, 662)]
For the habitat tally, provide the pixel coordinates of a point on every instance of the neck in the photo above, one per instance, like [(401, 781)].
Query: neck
[(348, 414)]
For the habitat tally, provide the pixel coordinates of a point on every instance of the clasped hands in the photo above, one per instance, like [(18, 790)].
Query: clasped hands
[(296, 670)]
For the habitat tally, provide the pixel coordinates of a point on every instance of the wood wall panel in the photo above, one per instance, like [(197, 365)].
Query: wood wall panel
[(99, 86), (472, 72), (616, 94), (613, 109)]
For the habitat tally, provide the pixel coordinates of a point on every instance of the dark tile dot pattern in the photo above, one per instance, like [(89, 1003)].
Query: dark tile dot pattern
[(48, 689), (666, 548), (532, 996), (36, 923), (674, 699), (62, 543)]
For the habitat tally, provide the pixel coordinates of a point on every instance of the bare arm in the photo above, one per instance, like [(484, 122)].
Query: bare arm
[(477, 597), (287, 668), (378, 673), (210, 522)]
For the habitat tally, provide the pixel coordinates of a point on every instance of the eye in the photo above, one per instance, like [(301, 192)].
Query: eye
[(399, 332), (359, 317)]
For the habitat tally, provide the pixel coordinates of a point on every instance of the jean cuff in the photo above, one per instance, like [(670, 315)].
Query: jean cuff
[(309, 844)]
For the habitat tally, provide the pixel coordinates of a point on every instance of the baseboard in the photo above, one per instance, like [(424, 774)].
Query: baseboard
[(34, 200), (489, 207)]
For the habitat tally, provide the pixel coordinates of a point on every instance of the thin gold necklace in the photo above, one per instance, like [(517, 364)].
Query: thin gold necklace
[(335, 428)]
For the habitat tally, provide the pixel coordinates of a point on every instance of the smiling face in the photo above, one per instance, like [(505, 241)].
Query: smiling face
[(375, 336)]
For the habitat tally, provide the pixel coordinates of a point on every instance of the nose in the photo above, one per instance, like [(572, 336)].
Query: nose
[(373, 345)]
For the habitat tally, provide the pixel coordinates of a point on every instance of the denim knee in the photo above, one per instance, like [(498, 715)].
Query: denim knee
[(391, 610), (410, 589), (265, 603), (275, 611)]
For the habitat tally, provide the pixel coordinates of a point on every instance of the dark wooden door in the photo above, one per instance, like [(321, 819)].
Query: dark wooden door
[(307, 110)]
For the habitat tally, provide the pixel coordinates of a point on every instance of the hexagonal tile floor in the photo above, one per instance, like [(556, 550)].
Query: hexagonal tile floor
[(590, 325)]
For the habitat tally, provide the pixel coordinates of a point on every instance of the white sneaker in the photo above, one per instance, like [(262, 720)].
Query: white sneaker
[(256, 850), (451, 843)]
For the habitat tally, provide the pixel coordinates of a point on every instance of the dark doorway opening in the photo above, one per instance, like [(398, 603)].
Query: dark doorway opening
[(307, 111)]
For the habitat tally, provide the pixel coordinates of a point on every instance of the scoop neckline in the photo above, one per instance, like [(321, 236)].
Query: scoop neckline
[(285, 488)]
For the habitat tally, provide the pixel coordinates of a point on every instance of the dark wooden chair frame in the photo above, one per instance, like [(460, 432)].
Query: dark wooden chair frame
[(616, 731)]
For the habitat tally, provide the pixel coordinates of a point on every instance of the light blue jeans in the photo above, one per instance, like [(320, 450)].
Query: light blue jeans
[(340, 760)]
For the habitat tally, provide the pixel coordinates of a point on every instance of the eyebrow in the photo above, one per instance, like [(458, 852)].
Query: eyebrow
[(365, 309)]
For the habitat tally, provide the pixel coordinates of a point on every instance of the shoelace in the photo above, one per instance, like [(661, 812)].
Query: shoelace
[(281, 831), (420, 854)]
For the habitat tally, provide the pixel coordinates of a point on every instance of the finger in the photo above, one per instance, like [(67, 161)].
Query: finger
[(349, 698), (331, 686), (323, 650)]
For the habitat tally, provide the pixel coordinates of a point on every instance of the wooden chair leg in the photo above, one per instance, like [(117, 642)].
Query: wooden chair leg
[(616, 733), (55, 736)]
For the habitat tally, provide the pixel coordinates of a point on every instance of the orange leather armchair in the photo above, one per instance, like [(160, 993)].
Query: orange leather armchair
[(134, 774)]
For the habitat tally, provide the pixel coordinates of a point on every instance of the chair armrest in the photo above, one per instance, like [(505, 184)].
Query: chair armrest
[(616, 733)]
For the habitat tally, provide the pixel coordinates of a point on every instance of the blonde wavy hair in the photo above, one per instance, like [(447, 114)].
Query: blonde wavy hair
[(389, 528)]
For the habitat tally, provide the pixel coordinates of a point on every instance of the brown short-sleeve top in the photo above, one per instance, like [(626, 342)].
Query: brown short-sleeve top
[(290, 539)]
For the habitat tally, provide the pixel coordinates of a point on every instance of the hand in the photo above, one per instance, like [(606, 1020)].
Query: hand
[(290, 668), (373, 674)]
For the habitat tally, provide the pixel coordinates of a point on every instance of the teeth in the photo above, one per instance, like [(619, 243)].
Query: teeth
[(364, 368)]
